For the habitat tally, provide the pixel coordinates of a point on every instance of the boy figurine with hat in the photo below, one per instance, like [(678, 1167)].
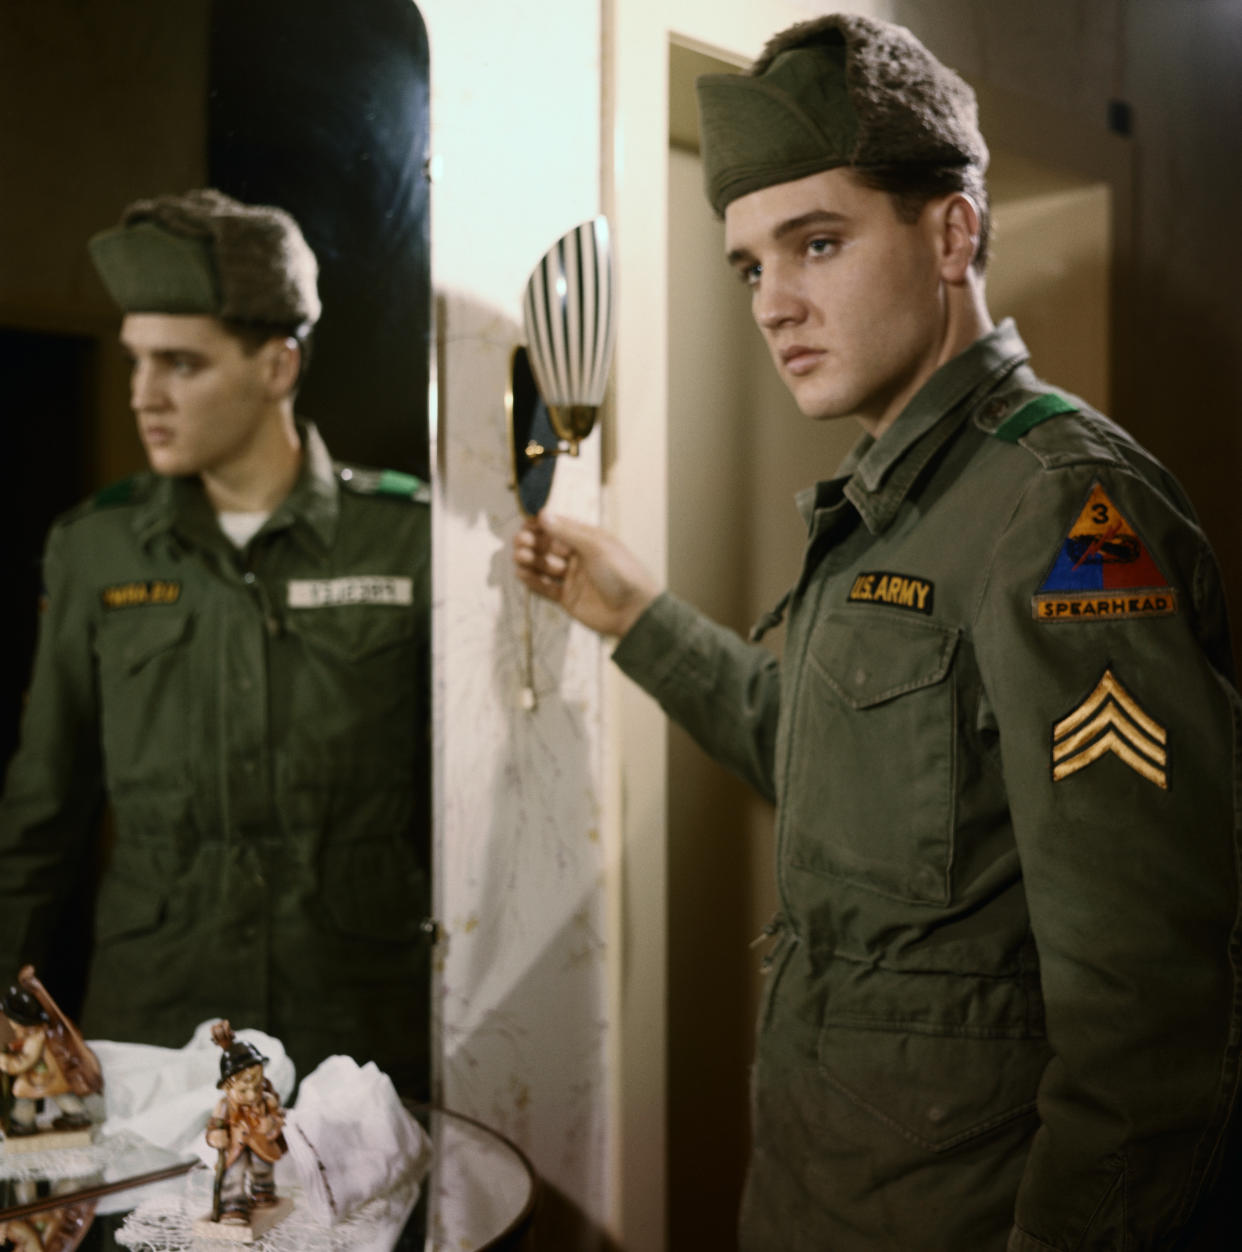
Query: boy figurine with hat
[(247, 1130), (45, 1059), (1004, 1000)]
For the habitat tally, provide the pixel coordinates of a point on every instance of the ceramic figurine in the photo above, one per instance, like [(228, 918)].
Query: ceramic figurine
[(58, 1229), (246, 1129), (45, 1059)]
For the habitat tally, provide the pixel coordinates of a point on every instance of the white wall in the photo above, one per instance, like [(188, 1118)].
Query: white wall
[(519, 858)]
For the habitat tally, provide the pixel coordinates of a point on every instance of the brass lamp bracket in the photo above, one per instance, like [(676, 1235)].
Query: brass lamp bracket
[(538, 434)]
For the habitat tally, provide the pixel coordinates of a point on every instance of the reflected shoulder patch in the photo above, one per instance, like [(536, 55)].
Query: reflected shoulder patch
[(1102, 570)]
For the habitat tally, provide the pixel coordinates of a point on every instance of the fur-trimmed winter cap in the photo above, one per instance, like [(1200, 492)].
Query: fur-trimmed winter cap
[(838, 90), (204, 252)]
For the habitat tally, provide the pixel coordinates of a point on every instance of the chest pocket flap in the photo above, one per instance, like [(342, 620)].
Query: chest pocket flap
[(870, 796), (868, 663), (146, 634)]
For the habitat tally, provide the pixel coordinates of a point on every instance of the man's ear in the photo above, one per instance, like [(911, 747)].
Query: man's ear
[(283, 365), (958, 236)]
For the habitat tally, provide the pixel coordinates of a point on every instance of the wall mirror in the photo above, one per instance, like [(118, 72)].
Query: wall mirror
[(318, 107)]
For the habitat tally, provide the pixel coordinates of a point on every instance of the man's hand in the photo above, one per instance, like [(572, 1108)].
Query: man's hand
[(592, 575)]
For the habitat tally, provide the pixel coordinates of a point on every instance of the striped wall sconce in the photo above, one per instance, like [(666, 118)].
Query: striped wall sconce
[(558, 379)]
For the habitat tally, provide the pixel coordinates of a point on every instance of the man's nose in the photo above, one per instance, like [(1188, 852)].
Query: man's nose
[(777, 302), (145, 391)]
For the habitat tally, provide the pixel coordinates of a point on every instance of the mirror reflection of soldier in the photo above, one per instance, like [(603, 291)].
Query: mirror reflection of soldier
[(247, 1129), (46, 1059), (234, 652), (1004, 1000)]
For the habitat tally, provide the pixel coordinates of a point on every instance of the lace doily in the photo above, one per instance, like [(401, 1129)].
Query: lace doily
[(165, 1222), (59, 1164)]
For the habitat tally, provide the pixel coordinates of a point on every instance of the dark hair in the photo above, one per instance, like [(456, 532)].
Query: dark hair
[(253, 335), (912, 186)]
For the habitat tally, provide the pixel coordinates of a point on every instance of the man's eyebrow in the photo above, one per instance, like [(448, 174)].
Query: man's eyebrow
[(816, 217), (162, 354)]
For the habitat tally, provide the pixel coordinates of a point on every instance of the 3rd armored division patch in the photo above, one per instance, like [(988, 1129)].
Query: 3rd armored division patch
[(1102, 571), (1110, 720)]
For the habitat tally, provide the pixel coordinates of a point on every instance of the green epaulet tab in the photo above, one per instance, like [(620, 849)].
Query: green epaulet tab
[(121, 492), (1031, 414), (387, 482)]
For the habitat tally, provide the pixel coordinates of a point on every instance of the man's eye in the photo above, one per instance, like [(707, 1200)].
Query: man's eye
[(821, 247), (183, 366), (748, 275)]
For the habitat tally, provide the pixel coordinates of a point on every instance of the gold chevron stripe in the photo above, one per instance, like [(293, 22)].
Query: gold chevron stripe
[(1111, 716), (1111, 742), (1128, 732), (1109, 686)]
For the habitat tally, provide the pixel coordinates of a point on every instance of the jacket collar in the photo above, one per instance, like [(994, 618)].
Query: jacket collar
[(309, 511), (878, 474)]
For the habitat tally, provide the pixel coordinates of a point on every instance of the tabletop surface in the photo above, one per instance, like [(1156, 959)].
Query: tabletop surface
[(479, 1193)]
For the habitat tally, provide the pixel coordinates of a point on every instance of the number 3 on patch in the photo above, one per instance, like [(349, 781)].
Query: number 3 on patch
[(1110, 720)]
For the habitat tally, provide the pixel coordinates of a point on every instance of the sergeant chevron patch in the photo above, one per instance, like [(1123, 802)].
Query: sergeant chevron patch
[(1110, 720)]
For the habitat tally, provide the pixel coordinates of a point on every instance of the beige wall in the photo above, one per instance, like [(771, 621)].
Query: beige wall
[(521, 865), (1051, 269)]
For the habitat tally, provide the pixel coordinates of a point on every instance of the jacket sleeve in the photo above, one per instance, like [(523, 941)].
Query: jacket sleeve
[(1119, 735), (723, 692), (53, 791)]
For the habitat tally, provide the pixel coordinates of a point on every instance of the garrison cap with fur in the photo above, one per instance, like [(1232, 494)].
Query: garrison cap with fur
[(838, 90), (204, 252)]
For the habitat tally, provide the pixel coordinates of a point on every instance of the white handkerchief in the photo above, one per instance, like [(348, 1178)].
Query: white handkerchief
[(351, 1140)]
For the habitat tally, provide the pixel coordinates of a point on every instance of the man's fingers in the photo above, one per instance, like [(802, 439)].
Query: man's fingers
[(542, 584), (565, 534), (535, 552)]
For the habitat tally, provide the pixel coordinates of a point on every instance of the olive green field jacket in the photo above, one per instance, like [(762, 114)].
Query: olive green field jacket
[(1003, 742), (258, 722)]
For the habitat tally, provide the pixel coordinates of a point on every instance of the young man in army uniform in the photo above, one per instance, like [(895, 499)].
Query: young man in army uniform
[(1003, 1007), (234, 650)]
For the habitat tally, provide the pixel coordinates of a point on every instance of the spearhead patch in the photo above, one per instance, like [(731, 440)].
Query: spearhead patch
[(1102, 571)]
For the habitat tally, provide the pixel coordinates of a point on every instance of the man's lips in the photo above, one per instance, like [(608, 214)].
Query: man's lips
[(799, 359), (157, 435)]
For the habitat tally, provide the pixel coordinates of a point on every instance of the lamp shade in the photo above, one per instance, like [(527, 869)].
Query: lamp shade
[(568, 316)]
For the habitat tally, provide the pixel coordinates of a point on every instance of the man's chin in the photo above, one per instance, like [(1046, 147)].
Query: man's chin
[(167, 463), (821, 410)]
